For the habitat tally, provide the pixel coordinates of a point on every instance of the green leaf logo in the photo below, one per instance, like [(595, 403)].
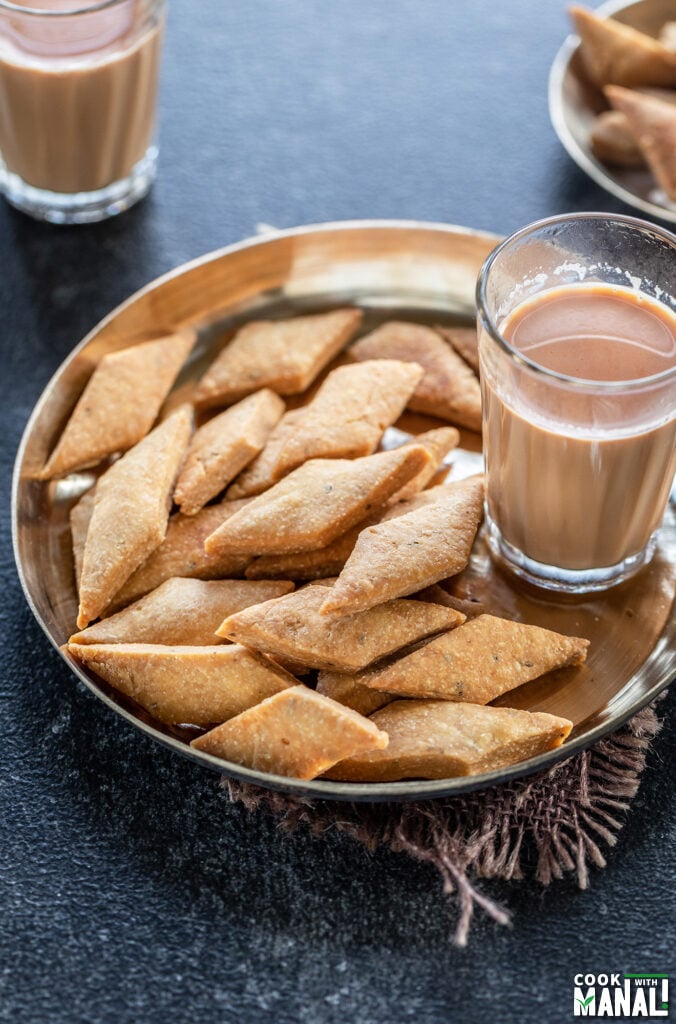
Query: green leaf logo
[(585, 1002)]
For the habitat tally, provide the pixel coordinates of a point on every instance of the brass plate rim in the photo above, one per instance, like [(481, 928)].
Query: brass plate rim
[(322, 789)]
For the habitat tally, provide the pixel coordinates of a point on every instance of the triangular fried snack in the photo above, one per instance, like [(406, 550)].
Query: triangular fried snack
[(477, 662), (316, 503), (297, 733), (616, 54), (411, 551), (653, 125), (350, 412), (224, 446), (80, 515), (448, 389), (292, 627), (181, 611), (347, 690), (261, 474), (120, 402), (131, 509), (285, 355), (436, 739), (465, 341), (182, 553), (185, 685)]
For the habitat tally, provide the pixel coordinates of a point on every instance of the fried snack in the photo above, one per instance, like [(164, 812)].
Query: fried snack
[(448, 389), (297, 733), (612, 141), (667, 36), (292, 627), (182, 553), (653, 125), (477, 662), (439, 443), (436, 739), (120, 402), (285, 355), (185, 685), (350, 412), (131, 510), (615, 54), (224, 446), (465, 341), (347, 690), (80, 515), (260, 475), (181, 611), (317, 503), (411, 551)]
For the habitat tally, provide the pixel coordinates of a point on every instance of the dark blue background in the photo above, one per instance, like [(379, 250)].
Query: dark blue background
[(130, 890)]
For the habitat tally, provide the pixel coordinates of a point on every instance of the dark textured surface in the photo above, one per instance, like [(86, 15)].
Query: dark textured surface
[(129, 889)]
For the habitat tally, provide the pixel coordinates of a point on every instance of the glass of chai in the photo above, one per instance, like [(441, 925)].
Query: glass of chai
[(577, 345), (78, 85)]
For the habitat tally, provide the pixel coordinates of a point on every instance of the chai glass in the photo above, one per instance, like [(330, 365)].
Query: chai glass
[(577, 347), (78, 88)]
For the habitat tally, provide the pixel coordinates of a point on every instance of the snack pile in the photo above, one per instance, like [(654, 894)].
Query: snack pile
[(270, 577), (637, 75)]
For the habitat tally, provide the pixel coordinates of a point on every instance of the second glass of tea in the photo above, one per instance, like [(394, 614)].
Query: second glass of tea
[(577, 343)]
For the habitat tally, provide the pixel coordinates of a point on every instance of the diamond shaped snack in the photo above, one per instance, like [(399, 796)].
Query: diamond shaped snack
[(612, 141), (350, 412), (292, 627), (477, 662), (119, 403), (224, 446), (297, 733), (285, 355), (439, 443), (405, 554), (261, 474), (185, 685), (131, 510), (616, 54), (80, 514), (182, 553), (347, 690), (181, 611), (436, 739), (316, 503), (653, 125), (448, 389), (465, 341)]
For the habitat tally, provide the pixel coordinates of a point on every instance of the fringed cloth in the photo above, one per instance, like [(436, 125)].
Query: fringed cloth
[(566, 815)]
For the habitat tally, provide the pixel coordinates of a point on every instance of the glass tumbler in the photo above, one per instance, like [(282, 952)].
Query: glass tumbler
[(579, 465), (78, 88)]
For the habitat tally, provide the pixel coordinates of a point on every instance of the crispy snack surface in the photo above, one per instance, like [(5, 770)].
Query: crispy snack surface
[(439, 443), (616, 54), (317, 503), (120, 402), (297, 733), (438, 740), (465, 341), (131, 509), (181, 611), (261, 474), (182, 684), (285, 355), (448, 389), (80, 515), (653, 124), (612, 141), (478, 662), (182, 553), (346, 689), (350, 412), (293, 627), (224, 446), (402, 555)]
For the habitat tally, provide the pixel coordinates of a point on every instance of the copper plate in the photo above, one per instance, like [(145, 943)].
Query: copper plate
[(574, 103), (425, 272)]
